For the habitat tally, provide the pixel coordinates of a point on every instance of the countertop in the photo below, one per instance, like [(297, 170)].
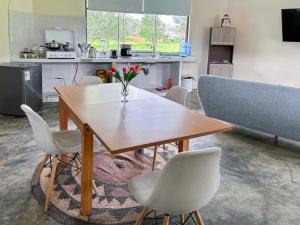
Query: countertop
[(166, 59)]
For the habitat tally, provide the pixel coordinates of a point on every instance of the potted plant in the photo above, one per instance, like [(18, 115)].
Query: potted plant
[(129, 73)]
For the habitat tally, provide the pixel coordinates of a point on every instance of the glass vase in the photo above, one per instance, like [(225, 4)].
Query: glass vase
[(125, 93)]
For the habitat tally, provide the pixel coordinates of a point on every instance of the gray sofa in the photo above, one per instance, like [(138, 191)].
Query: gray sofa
[(268, 108)]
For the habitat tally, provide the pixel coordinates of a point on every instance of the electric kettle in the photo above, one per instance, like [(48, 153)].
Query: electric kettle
[(92, 52)]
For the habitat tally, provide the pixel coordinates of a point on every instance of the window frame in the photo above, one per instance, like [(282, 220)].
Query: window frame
[(187, 33)]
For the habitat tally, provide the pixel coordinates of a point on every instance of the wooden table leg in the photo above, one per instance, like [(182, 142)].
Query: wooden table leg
[(183, 145), (63, 116), (63, 124), (86, 172)]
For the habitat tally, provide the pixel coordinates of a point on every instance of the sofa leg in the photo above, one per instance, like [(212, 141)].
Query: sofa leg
[(276, 140)]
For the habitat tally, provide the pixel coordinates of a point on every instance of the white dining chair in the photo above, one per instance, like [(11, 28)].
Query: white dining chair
[(187, 182), (54, 144), (89, 80), (177, 94)]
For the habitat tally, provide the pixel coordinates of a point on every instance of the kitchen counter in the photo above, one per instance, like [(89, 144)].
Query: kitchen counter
[(166, 59)]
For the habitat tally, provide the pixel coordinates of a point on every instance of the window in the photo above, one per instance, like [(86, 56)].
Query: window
[(144, 32), (103, 26)]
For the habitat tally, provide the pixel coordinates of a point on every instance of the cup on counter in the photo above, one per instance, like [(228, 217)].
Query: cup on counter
[(84, 55)]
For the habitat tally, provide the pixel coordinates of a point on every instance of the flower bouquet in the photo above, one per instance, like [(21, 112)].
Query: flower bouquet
[(129, 73)]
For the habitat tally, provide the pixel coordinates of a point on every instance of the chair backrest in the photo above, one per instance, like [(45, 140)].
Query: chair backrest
[(188, 181), (41, 131), (90, 80), (177, 94)]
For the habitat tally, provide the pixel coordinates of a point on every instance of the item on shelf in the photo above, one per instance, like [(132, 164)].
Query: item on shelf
[(185, 49), (114, 54), (126, 50), (225, 22), (103, 48), (102, 74), (27, 53), (41, 53), (92, 52), (84, 49), (187, 82), (170, 83), (54, 46), (67, 47), (129, 73)]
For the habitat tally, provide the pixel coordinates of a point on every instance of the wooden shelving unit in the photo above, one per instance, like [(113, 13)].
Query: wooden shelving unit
[(221, 48)]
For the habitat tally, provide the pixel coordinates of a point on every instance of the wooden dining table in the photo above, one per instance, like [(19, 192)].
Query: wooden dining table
[(146, 120)]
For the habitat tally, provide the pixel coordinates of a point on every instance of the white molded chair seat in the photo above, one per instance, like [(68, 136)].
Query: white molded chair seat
[(90, 80), (187, 182), (67, 141), (142, 186)]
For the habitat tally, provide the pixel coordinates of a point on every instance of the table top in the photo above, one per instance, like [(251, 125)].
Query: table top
[(145, 120)]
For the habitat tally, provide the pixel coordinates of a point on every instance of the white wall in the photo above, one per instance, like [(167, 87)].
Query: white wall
[(15, 5), (260, 55), (206, 13)]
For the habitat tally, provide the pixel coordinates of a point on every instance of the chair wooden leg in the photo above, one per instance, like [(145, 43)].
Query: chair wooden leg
[(198, 217), (50, 184), (154, 158), (40, 169), (141, 216), (181, 218), (77, 163), (166, 220), (94, 186)]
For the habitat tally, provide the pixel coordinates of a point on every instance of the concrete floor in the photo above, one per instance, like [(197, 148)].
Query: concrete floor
[(260, 182)]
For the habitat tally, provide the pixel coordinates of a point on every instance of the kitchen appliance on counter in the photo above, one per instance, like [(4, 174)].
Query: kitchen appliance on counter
[(20, 84), (60, 55), (92, 52), (114, 54), (126, 50), (53, 45)]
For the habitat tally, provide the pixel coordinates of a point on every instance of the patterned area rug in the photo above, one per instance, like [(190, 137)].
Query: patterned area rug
[(113, 203)]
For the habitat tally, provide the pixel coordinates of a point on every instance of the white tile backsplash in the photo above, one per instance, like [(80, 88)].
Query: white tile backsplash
[(28, 30)]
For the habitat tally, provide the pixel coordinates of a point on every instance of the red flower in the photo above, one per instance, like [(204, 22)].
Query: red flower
[(124, 69), (138, 67), (113, 70), (109, 72), (132, 69)]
